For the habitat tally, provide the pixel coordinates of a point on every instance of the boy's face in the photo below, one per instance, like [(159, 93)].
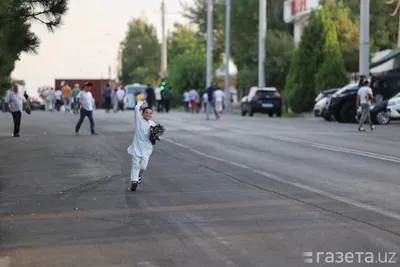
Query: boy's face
[(147, 114)]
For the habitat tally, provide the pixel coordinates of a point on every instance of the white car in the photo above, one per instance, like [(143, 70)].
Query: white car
[(393, 107), (322, 102)]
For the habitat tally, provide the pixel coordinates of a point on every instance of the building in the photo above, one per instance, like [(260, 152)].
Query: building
[(298, 12)]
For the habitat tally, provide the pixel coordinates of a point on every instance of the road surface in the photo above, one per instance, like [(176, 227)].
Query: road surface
[(240, 191)]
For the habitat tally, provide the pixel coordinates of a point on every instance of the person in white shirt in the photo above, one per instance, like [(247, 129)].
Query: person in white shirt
[(193, 96), (58, 95), (141, 147), (205, 100), (364, 98), (219, 100), (50, 99), (186, 100), (121, 97), (157, 92), (85, 102), (14, 101)]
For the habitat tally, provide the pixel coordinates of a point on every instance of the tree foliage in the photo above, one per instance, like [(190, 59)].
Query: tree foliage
[(141, 54), (187, 72), (317, 63), (383, 27), (184, 40), (16, 37)]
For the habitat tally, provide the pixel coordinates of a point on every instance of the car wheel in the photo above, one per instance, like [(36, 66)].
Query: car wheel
[(270, 115), (382, 117), (348, 112), (279, 113)]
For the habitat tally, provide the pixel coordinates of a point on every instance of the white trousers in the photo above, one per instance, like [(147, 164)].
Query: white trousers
[(139, 165), (218, 106)]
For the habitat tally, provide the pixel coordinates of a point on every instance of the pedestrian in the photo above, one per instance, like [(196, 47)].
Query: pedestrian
[(219, 100), (141, 147), (364, 98), (186, 100), (107, 97), (15, 101), (157, 93), (211, 101), (66, 93), (167, 97), (75, 93), (193, 96), (85, 101), (150, 96)]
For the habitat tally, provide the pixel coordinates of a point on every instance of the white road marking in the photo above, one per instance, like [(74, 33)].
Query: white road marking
[(339, 149), (298, 185)]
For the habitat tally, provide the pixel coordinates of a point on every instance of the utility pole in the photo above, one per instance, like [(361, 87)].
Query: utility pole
[(210, 8), (227, 53), (163, 41), (261, 41), (364, 38)]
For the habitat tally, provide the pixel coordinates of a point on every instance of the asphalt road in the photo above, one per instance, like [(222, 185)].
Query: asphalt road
[(239, 191)]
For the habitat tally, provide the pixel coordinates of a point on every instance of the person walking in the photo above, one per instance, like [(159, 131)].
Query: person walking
[(150, 96), (75, 93), (364, 98), (85, 101), (167, 97), (66, 93), (193, 96), (211, 101), (107, 97), (157, 92), (15, 101)]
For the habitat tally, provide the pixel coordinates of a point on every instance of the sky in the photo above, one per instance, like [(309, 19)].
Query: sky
[(88, 41)]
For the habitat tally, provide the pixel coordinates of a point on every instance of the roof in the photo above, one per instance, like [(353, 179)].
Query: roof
[(394, 53)]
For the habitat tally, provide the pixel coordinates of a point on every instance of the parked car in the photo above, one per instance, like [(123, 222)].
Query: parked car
[(386, 85), (322, 102), (262, 100), (342, 104), (393, 107), (378, 112)]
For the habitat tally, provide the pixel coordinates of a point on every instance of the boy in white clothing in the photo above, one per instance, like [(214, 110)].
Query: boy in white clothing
[(141, 147)]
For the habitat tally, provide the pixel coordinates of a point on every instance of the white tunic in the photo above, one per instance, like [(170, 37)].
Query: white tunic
[(141, 145)]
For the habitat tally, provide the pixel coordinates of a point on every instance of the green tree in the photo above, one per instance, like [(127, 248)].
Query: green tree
[(16, 37), (141, 54), (317, 63), (187, 72), (383, 27), (184, 40)]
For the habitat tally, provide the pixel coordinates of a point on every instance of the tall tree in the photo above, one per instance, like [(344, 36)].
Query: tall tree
[(383, 27), (348, 33), (184, 40), (16, 37), (317, 63), (187, 72), (141, 54)]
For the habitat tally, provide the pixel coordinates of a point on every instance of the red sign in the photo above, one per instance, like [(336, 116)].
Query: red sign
[(298, 6)]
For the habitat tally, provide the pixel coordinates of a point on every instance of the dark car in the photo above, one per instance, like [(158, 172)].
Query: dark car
[(262, 100), (378, 113), (342, 104), (386, 85)]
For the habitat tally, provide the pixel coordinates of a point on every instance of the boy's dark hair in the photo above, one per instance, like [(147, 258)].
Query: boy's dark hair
[(146, 109)]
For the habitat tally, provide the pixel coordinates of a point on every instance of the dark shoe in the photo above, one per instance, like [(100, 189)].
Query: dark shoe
[(77, 133), (134, 186), (95, 134), (361, 129), (16, 135)]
